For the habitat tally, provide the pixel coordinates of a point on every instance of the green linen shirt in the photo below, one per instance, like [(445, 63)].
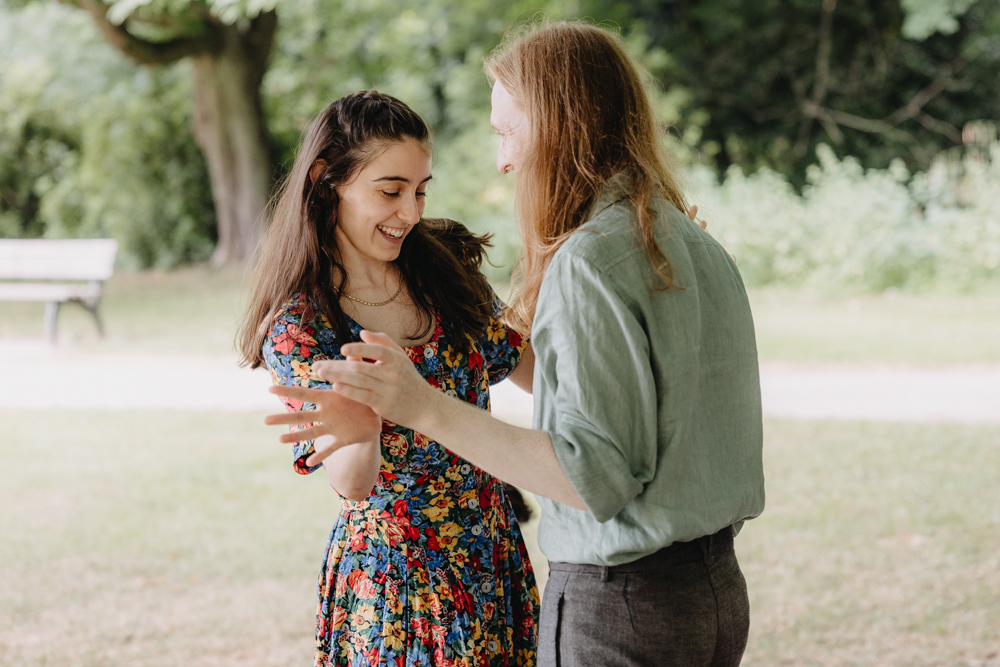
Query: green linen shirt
[(651, 397)]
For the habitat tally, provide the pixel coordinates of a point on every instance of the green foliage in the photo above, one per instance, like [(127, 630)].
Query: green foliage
[(926, 17), (758, 90), (426, 52), (189, 11), (91, 146), (862, 230)]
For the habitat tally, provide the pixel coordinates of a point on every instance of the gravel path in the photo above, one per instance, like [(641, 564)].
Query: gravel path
[(35, 376)]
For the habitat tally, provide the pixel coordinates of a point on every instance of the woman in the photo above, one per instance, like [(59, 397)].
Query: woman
[(426, 564), (648, 442)]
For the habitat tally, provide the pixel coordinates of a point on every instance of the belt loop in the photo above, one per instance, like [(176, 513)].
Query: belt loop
[(604, 575)]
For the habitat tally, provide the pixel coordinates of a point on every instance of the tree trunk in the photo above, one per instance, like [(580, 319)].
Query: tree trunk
[(230, 129)]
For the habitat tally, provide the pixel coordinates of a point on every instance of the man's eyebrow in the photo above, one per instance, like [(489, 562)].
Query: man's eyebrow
[(401, 179)]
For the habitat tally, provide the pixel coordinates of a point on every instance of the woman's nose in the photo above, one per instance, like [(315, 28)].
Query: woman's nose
[(409, 211)]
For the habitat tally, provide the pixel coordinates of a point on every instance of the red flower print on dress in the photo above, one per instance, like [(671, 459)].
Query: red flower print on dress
[(294, 335)]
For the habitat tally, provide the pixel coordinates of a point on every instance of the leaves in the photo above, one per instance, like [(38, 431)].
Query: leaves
[(93, 146), (862, 230), (926, 17)]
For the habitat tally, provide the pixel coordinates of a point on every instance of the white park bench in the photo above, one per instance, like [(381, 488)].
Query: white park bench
[(54, 272)]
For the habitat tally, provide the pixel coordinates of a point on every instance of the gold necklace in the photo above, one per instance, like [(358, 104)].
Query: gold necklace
[(369, 303)]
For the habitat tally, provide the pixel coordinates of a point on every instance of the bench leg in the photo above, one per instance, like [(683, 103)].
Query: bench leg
[(51, 315)]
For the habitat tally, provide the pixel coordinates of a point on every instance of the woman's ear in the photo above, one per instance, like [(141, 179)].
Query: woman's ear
[(316, 170)]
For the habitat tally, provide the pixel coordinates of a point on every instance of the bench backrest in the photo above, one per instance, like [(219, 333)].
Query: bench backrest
[(45, 259)]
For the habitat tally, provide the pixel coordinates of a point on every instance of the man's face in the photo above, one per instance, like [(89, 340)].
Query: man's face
[(511, 123)]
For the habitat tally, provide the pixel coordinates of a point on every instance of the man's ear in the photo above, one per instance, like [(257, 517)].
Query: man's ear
[(316, 170)]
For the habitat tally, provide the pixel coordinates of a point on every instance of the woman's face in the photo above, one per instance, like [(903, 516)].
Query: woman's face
[(382, 204), (511, 123)]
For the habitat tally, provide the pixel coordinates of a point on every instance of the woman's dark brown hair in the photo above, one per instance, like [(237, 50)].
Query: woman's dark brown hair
[(439, 260)]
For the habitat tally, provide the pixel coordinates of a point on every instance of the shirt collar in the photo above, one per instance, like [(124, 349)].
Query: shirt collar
[(613, 191)]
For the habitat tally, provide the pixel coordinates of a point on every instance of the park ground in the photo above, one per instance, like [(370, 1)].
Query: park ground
[(162, 524)]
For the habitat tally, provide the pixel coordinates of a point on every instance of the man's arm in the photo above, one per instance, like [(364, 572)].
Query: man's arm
[(519, 456)]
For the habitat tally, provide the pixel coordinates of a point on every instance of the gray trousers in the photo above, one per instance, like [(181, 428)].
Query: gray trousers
[(685, 605)]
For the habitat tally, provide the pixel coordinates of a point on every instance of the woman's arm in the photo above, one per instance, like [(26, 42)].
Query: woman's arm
[(332, 422), (352, 469)]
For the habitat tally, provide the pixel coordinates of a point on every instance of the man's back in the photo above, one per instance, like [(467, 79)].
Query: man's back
[(651, 396)]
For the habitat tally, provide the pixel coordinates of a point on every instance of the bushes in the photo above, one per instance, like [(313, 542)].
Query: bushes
[(861, 230), (92, 146)]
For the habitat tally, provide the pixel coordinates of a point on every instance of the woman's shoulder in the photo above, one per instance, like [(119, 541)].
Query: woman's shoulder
[(297, 310), (300, 317)]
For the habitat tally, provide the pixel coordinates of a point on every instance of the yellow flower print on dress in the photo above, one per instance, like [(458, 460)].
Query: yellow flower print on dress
[(437, 511), (453, 358), (439, 485), (302, 371), (496, 331), (393, 635), (447, 534)]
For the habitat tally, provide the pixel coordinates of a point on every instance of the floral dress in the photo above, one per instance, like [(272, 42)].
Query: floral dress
[(431, 568)]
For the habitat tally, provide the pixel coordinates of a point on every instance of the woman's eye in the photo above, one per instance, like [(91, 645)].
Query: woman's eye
[(390, 194), (421, 194)]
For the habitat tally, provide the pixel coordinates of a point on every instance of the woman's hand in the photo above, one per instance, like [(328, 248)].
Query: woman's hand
[(387, 381), (346, 421)]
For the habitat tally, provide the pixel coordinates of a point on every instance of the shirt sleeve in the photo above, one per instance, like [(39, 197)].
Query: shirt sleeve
[(502, 346), (593, 353), (289, 352)]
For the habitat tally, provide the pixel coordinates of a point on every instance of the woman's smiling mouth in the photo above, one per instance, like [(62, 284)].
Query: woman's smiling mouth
[(394, 233)]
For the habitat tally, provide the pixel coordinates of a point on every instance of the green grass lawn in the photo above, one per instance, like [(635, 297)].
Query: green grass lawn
[(880, 545), (196, 310), (173, 538), (157, 538), (893, 328)]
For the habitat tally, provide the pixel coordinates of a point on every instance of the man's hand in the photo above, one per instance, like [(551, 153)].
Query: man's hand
[(387, 381), (347, 421)]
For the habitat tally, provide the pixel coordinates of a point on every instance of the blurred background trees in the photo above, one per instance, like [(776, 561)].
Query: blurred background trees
[(776, 100)]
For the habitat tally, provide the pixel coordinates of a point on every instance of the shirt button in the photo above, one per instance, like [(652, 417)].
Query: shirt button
[(487, 587), (465, 469), (493, 646), (473, 503), (451, 392), (477, 530), (428, 353)]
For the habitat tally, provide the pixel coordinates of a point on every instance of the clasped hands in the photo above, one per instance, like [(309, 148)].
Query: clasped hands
[(375, 378)]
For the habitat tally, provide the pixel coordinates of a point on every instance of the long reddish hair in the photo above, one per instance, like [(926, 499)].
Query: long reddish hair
[(590, 119)]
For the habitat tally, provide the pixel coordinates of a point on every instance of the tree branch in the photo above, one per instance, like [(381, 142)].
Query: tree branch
[(823, 52), (821, 82), (141, 51), (939, 126), (811, 108)]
